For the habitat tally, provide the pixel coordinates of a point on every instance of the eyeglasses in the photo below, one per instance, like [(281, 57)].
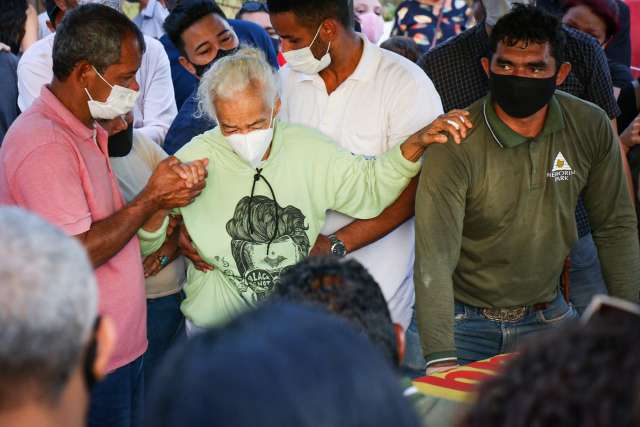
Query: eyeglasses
[(253, 6)]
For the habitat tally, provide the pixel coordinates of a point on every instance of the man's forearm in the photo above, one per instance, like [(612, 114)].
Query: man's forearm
[(620, 258), (434, 312), (361, 233), (107, 237)]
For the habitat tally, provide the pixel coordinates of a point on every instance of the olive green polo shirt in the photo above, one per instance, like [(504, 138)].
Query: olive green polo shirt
[(495, 215)]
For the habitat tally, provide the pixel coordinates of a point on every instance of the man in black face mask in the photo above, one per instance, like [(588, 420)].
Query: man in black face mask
[(495, 215), (202, 34)]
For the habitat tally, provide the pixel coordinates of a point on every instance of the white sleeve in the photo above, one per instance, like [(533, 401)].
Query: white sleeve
[(156, 107), (35, 70), (147, 150), (415, 103), (285, 77), (43, 30)]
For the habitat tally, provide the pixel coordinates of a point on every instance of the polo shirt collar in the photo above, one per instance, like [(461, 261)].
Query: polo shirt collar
[(149, 11), (504, 136), (70, 122), (366, 69)]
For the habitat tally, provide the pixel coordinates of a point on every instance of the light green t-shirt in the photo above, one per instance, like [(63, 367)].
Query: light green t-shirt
[(237, 233)]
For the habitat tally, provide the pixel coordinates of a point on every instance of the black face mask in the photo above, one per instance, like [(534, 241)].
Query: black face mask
[(521, 97), (90, 358), (201, 69), (120, 144)]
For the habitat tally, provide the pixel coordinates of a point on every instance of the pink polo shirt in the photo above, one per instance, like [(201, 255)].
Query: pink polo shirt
[(51, 165)]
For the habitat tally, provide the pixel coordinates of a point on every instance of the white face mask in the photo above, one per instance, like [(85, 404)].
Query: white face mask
[(121, 100), (251, 146), (496, 9), (303, 61)]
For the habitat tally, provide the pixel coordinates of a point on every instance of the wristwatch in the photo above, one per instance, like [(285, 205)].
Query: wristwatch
[(337, 246)]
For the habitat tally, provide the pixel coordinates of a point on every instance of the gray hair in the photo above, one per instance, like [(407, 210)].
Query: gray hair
[(233, 74), (92, 33), (113, 4), (48, 306)]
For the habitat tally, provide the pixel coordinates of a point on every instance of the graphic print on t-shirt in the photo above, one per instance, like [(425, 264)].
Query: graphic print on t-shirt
[(263, 248), (560, 163), (561, 170)]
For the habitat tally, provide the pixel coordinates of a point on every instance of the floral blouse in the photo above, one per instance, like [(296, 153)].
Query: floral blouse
[(420, 21)]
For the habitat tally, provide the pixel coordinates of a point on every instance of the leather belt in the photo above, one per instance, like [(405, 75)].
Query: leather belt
[(513, 314)]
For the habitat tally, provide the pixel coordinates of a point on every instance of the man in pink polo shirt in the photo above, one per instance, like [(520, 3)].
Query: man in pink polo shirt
[(54, 162)]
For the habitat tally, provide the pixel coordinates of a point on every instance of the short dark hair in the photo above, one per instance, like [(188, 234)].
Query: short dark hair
[(576, 375), (311, 13), (279, 365), (184, 15), (252, 6), (13, 16), (607, 10), (530, 24), (92, 33), (345, 288), (403, 46)]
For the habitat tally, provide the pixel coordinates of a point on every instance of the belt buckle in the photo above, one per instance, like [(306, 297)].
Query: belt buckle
[(505, 314)]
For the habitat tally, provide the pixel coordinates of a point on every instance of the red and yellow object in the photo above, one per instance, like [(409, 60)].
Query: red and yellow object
[(458, 384)]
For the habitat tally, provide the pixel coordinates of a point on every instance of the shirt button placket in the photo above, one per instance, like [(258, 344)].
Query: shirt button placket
[(534, 156)]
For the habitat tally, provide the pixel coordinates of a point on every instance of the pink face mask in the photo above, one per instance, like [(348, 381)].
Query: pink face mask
[(372, 26)]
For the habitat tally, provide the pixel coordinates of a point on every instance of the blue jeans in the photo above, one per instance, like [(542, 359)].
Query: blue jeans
[(117, 401), (478, 338), (165, 326), (413, 364), (585, 274)]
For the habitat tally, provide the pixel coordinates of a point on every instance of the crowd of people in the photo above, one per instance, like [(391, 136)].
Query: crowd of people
[(284, 218)]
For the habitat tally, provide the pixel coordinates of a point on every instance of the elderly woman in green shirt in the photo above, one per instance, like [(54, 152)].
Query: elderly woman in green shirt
[(269, 185)]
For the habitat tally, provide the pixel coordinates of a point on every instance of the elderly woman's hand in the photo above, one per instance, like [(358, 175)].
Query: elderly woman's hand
[(456, 123), (192, 173), (175, 184)]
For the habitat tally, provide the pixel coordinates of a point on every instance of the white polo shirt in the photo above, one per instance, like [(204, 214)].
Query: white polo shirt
[(386, 99), (151, 18), (43, 30), (155, 108)]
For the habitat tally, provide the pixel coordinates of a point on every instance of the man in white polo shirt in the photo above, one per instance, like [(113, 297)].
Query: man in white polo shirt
[(367, 100), (155, 108)]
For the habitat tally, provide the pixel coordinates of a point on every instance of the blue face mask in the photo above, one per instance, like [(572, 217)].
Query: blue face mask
[(276, 44)]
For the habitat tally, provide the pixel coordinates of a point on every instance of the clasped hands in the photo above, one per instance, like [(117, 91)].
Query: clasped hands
[(175, 184)]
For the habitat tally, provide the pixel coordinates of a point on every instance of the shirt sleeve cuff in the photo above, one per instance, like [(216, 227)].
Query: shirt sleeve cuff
[(151, 241), (78, 227), (405, 167), (445, 356)]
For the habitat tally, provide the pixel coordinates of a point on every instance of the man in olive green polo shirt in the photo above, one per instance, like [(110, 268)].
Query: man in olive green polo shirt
[(495, 215)]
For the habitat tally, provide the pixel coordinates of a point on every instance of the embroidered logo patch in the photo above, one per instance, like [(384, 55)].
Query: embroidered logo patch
[(561, 170)]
